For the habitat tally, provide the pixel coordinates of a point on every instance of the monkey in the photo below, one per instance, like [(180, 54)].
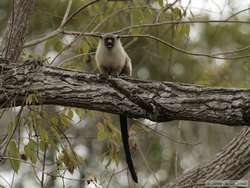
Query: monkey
[(112, 59)]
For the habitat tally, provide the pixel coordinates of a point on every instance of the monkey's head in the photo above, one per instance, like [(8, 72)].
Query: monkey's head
[(110, 40)]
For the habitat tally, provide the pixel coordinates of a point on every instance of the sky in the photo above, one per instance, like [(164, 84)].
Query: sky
[(215, 8)]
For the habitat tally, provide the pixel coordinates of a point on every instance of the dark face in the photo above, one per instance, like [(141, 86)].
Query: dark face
[(109, 42)]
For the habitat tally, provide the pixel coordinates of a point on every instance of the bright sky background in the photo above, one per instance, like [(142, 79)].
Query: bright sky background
[(216, 8)]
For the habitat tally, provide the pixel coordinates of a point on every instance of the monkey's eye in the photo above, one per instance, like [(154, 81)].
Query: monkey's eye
[(100, 36), (88, 181), (118, 36)]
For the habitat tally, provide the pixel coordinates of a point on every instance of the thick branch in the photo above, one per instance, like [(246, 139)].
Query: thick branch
[(157, 101), (232, 163)]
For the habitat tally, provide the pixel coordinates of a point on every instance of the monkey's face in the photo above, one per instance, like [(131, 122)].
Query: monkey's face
[(109, 40)]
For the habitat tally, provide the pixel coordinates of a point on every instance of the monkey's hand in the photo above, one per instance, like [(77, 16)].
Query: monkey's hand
[(123, 75), (103, 76)]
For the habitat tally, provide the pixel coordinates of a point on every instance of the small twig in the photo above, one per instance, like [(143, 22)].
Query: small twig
[(185, 51), (66, 14), (71, 43), (63, 182), (179, 22), (17, 122), (162, 42), (233, 51), (114, 174), (5, 180), (42, 39), (148, 167), (59, 30), (43, 170), (177, 149), (239, 12), (164, 10), (74, 57), (53, 33), (79, 10), (13, 179), (47, 173), (165, 135), (115, 13), (77, 33)]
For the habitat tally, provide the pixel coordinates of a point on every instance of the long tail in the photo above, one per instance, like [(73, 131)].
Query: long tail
[(124, 132)]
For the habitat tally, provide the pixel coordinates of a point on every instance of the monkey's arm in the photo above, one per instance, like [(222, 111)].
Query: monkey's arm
[(124, 133)]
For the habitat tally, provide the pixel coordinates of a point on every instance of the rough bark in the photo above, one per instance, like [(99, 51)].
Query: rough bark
[(16, 29), (157, 101), (232, 163)]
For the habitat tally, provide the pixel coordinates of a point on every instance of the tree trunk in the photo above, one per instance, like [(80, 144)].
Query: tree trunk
[(232, 163), (16, 29)]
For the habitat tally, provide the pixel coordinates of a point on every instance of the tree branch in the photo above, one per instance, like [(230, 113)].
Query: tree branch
[(165, 43), (157, 101), (66, 19), (232, 163)]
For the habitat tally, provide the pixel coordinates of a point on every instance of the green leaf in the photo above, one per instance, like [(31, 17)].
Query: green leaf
[(101, 135), (115, 156), (137, 17), (32, 99), (177, 12), (30, 151), (69, 159), (160, 2), (13, 153), (65, 121), (44, 138), (54, 120), (108, 163), (70, 113), (56, 135), (80, 113), (84, 47)]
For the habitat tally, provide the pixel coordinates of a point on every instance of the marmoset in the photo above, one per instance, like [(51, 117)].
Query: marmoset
[(112, 59)]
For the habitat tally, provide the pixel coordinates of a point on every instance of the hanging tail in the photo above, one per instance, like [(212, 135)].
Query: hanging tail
[(124, 133)]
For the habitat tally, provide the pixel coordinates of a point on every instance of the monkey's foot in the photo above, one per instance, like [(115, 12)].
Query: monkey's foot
[(103, 76), (114, 75), (123, 75)]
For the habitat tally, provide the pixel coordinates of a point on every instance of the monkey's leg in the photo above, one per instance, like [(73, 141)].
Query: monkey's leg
[(104, 72), (103, 76), (127, 69), (124, 133)]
